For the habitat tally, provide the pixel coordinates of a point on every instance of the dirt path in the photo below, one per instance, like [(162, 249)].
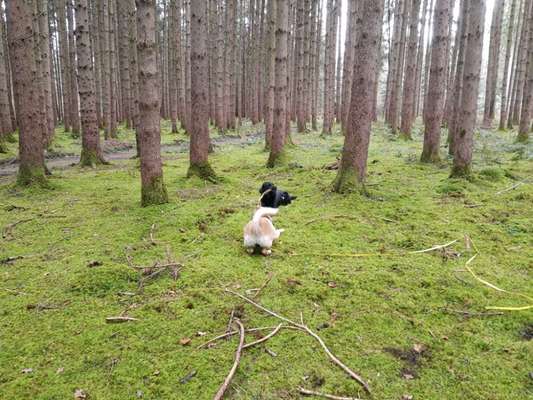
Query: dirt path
[(116, 152)]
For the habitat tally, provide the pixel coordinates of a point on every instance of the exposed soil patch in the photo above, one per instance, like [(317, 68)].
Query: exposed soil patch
[(412, 359), (527, 332)]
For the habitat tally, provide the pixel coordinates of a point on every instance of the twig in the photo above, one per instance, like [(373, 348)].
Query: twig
[(265, 338), (9, 227), (469, 314), (230, 321), (326, 217), (307, 392), (118, 320), (152, 240), (7, 260), (17, 292), (473, 205), (311, 333), (228, 334), (440, 246), (510, 188), (269, 278), (238, 353)]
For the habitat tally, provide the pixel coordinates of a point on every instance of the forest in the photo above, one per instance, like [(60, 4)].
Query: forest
[(266, 199)]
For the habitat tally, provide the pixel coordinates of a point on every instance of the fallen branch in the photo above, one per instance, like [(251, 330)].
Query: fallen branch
[(238, 353), (228, 334), (118, 320), (302, 326), (510, 188), (269, 278), (440, 246), (265, 338), (307, 392)]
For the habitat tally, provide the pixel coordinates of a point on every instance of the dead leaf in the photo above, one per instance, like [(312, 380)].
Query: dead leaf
[(188, 377), (79, 394), (60, 370), (27, 370), (293, 282), (157, 372), (332, 284), (407, 376), (445, 338), (419, 348), (407, 397), (200, 333), (94, 263), (185, 341)]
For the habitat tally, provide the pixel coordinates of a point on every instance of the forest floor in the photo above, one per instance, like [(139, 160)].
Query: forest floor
[(411, 324)]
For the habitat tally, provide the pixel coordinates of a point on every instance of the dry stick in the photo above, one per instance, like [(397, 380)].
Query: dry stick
[(269, 278), (440, 246), (314, 335), (265, 338), (117, 320), (228, 334), (325, 395), (230, 322), (152, 240), (238, 353), (510, 188)]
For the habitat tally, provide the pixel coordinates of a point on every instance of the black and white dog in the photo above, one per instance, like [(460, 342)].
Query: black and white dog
[(260, 232)]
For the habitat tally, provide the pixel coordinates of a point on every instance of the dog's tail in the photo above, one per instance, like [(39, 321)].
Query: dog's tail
[(264, 212)]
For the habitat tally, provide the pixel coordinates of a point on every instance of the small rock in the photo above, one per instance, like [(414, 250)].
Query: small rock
[(332, 284), (79, 394)]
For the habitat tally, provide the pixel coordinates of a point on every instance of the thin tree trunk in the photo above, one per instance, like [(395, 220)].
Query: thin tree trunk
[(21, 38), (5, 117), (277, 153), (124, 60), (347, 72), (318, 42), (505, 78), (527, 102), (410, 74), (352, 169), (271, 77), (90, 152), (65, 64), (153, 189), (329, 66), (464, 140), (74, 102), (437, 83), (420, 58), (522, 66), (44, 44), (514, 65), (199, 147)]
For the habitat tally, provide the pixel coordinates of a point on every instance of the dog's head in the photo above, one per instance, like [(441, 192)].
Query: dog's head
[(273, 197)]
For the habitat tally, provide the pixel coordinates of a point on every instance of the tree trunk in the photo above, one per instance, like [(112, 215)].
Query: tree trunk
[(74, 102), (493, 64), (44, 44), (65, 64), (514, 65), (527, 103), (90, 153), (329, 66), (21, 37), (318, 42), (5, 117), (106, 67), (277, 153), (420, 59), (134, 69), (271, 77), (437, 81), (410, 74), (522, 66), (349, 45), (153, 190), (199, 148), (352, 169), (124, 59), (113, 71), (505, 78), (464, 140), (220, 113)]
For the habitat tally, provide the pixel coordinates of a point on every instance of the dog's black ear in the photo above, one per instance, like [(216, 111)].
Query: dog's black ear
[(266, 186), (294, 197)]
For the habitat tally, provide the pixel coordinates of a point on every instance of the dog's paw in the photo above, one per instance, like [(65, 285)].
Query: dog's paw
[(266, 252), (250, 250)]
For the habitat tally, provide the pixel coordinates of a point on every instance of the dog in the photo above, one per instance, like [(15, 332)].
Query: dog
[(272, 197), (260, 232)]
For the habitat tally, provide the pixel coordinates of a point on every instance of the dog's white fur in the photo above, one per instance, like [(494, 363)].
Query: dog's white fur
[(261, 231)]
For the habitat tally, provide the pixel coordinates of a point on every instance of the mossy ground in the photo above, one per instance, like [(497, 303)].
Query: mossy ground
[(369, 310)]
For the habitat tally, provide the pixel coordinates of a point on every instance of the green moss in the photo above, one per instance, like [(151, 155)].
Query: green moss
[(155, 193), (31, 177), (347, 181), (203, 171), (3, 146), (390, 300), (278, 160), (463, 172), (522, 137), (91, 159), (430, 157), (492, 173)]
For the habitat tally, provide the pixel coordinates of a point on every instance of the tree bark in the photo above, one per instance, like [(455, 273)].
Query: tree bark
[(521, 67), (464, 140), (493, 64), (199, 148), (437, 83), (124, 60), (271, 77), (352, 169), (74, 102), (527, 103), (44, 44), (65, 64), (5, 117), (91, 153), (153, 190), (410, 74), (329, 66), (349, 45), (505, 78), (277, 153), (21, 38)]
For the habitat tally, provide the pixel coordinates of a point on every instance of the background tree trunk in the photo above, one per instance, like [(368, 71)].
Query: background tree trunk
[(90, 153), (5, 117), (199, 148), (352, 169), (464, 140), (21, 38), (527, 103), (153, 189), (505, 78), (437, 81)]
